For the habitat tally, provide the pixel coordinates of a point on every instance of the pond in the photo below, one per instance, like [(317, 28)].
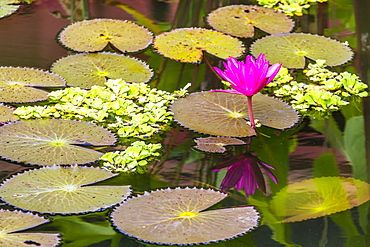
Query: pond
[(198, 167)]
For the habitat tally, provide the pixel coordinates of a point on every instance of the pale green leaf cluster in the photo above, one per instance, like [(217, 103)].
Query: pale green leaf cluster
[(289, 7), (324, 92), (134, 158)]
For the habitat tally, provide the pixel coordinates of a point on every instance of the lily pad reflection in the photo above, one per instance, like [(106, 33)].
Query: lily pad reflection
[(216, 144)]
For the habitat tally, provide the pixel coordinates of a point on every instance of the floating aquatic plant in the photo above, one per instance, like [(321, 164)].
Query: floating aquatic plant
[(240, 20), (94, 35), (11, 222), (176, 216), (188, 44), (89, 69), (6, 113), (17, 85), (292, 49), (290, 7), (216, 144), (8, 7), (52, 141), (62, 190), (318, 197)]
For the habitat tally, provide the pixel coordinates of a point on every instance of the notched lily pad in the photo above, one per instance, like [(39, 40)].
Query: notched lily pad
[(8, 7), (188, 44), (176, 216), (6, 114), (53, 141), (17, 84), (291, 49), (240, 20), (225, 114), (13, 221), (318, 197), (216, 144), (62, 190), (89, 69), (94, 35)]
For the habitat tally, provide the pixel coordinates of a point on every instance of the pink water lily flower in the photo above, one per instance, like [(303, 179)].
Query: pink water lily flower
[(249, 77)]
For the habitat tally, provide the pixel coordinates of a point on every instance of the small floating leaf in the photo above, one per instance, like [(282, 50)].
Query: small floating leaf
[(52, 141), (16, 84), (216, 144), (188, 44), (240, 20), (14, 221), (318, 197), (94, 35), (8, 7), (6, 114), (291, 49), (172, 216), (62, 190), (89, 69), (225, 114)]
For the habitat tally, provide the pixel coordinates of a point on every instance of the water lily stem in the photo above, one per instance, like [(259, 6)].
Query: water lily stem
[(250, 111)]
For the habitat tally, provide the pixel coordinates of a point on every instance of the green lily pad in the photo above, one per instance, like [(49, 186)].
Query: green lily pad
[(94, 35), (89, 69), (62, 190), (240, 20), (13, 221), (225, 114), (53, 141), (216, 144), (291, 49), (173, 216), (6, 114), (17, 84), (318, 197), (8, 7), (188, 44)]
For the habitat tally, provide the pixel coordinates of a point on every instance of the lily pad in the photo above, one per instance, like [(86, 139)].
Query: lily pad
[(8, 7), (17, 84), (291, 49), (240, 20), (62, 190), (216, 144), (94, 35), (53, 141), (173, 216), (318, 197), (13, 221), (225, 114), (6, 114), (89, 69), (188, 44)]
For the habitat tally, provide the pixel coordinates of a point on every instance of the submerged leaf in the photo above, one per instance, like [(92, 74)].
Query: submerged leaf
[(291, 49), (318, 197), (240, 20), (52, 141), (225, 114), (6, 114), (172, 216), (17, 84), (13, 221), (188, 44), (62, 190), (216, 144), (89, 69), (94, 35)]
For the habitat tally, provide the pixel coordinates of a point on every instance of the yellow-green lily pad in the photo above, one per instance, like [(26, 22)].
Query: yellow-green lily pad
[(53, 141), (90, 69), (292, 49), (8, 7), (6, 114), (17, 85), (62, 190), (318, 197), (216, 144), (13, 221), (188, 44), (94, 35), (225, 114), (176, 216), (240, 20)]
